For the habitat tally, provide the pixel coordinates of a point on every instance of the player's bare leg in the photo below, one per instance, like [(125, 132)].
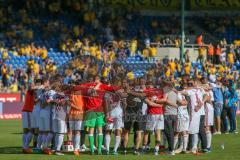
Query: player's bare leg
[(83, 147), (145, 139), (125, 140), (157, 141), (138, 142), (218, 124), (69, 135)]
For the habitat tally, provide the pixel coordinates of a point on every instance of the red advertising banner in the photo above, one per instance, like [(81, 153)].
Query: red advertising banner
[(10, 97), (11, 110)]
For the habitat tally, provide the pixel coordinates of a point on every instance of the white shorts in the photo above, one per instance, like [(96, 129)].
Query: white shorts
[(59, 126), (76, 125), (194, 124), (117, 115), (45, 124), (117, 124), (35, 119), (117, 112), (26, 120), (209, 115), (154, 122), (183, 124)]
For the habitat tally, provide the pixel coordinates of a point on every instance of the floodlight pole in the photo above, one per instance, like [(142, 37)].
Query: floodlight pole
[(182, 29)]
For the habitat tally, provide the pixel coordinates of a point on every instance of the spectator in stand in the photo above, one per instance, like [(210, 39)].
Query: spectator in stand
[(187, 67), (210, 52), (199, 40), (223, 43), (230, 58), (5, 76), (14, 86), (5, 55), (218, 52), (201, 54)]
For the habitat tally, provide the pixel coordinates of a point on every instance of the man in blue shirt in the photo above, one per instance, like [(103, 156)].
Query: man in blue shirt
[(218, 105), (231, 100)]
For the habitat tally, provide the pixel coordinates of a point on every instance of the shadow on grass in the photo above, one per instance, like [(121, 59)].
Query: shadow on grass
[(11, 150), (17, 133)]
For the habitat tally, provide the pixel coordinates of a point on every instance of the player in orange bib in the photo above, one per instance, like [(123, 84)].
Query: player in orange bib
[(76, 114)]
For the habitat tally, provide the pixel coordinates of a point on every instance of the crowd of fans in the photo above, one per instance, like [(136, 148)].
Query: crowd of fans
[(96, 59)]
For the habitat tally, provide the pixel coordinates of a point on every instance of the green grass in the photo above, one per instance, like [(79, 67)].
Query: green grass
[(10, 148)]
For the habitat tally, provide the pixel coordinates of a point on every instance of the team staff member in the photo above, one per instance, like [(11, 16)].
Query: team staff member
[(133, 117), (170, 115)]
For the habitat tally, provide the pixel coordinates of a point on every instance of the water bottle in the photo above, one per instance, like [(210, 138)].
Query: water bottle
[(222, 146)]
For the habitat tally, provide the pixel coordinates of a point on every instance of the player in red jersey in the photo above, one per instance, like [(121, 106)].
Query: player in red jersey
[(155, 119), (26, 120)]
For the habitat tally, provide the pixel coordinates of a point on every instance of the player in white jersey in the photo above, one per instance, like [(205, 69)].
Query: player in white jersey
[(202, 133), (114, 103), (182, 124), (45, 123), (196, 104), (59, 109), (209, 115), (37, 140)]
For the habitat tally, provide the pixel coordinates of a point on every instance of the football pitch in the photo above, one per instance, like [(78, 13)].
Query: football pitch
[(10, 148)]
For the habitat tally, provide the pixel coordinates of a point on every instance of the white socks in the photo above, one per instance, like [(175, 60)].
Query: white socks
[(195, 142), (39, 141), (59, 141), (209, 139), (117, 143), (181, 143), (156, 148), (76, 142), (185, 142), (175, 142), (107, 141), (48, 140)]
